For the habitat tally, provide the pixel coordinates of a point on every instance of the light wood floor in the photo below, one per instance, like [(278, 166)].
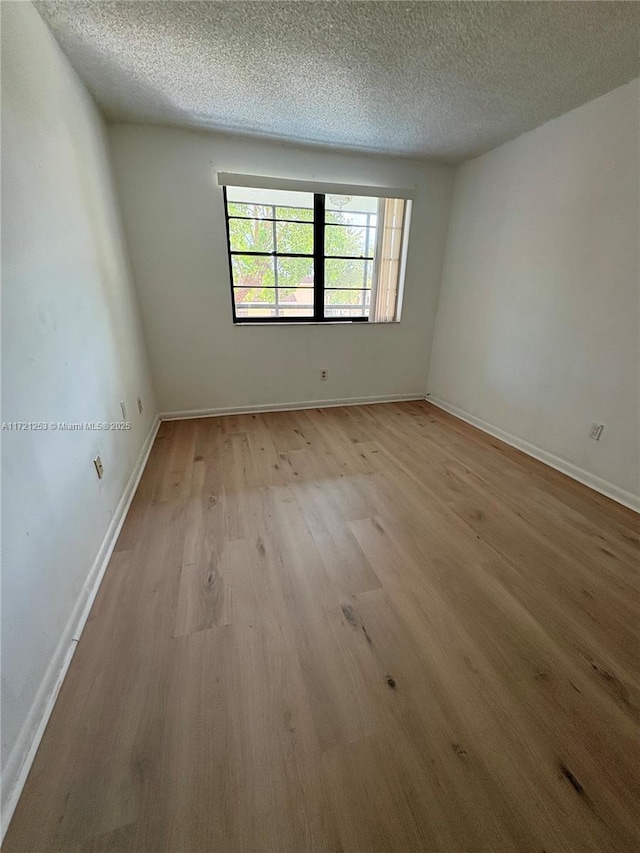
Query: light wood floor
[(359, 629)]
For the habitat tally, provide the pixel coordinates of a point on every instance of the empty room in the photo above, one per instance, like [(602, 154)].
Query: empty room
[(320, 427)]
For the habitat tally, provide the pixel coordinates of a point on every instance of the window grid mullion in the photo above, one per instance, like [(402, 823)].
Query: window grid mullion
[(270, 219), (366, 252), (274, 232), (318, 256), (277, 254)]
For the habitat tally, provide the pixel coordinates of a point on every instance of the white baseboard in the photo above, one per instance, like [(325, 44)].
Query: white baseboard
[(16, 769), (287, 407), (623, 497)]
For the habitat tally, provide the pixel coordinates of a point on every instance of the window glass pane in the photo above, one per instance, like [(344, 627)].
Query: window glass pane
[(349, 240), (273, 312), (346, 303), (268, 211), (302, 308), (250, 235), (255, 301), (297, 213), (295, 273), (249, 211), (277, 198), (294, 237), (347, 274), (254, 272), (341, 217), (335, 312), (249, 312), (273, 302), (254, 296), (350, 210)]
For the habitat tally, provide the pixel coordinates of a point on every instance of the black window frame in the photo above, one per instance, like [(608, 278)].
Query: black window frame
[(319, 259)]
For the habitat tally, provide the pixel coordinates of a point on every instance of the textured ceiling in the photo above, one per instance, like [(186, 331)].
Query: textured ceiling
[(442, 80)]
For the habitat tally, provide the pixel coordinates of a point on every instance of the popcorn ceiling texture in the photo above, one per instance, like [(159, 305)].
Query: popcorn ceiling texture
[(439, 80)]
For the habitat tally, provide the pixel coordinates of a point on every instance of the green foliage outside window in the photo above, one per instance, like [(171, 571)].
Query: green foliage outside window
[(256, 234)]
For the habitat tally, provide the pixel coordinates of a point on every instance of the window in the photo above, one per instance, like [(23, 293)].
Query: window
[(300, 256)]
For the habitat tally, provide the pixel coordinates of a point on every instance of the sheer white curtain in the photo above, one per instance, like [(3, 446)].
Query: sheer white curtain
[(384, 296)]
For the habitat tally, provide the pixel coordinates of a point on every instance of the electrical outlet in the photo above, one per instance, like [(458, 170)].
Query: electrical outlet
[(323, 374), (99, 469), (596, 431), (123, 409), (140, 406)]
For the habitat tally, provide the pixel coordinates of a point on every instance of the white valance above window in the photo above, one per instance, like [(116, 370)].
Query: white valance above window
[(230, 179)]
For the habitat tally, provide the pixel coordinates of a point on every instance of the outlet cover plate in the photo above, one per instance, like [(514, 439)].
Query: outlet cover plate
[(99, 467), (596, 431)]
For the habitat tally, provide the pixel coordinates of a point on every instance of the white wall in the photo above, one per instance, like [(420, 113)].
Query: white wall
[(71, 350), (538, 330), (174, 219)]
